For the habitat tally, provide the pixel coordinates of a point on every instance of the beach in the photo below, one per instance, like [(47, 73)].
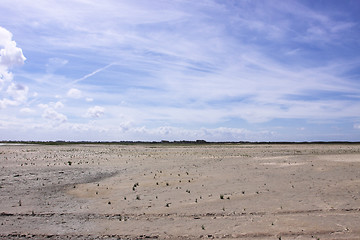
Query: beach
[(180, 191)]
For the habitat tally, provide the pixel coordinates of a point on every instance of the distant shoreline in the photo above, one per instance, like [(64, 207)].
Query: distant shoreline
[(163, 142)]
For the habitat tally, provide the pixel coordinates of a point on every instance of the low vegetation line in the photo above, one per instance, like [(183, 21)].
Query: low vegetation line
[(165, 142)]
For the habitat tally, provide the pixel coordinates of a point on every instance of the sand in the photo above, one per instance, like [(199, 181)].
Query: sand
[(160, 191)]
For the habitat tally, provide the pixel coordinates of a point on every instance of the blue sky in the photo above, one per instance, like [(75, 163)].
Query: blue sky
[(180, 70)]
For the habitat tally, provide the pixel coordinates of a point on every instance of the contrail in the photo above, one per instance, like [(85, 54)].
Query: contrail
[(93, 73)]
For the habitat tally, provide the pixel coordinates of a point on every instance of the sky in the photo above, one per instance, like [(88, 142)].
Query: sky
[(217, 70)]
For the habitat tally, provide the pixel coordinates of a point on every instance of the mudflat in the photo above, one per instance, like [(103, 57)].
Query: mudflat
[(165, 191)]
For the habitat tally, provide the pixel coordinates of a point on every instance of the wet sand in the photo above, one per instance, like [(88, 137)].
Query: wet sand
[(160, 191)]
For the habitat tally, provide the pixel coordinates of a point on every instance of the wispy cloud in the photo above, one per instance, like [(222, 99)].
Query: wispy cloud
[(175, 69), (92, 73), (55, 64)]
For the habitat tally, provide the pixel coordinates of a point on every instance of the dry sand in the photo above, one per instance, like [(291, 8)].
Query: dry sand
[(290, 191)]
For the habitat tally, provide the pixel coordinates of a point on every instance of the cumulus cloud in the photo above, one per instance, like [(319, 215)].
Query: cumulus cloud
[(10, 55), (56, 105), (74, 93), (16, 94), (53, 115), (95, 112)]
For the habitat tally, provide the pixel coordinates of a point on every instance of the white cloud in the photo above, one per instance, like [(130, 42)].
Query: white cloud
[(42, 105), (88, 99), (7, 102), (357, 125), (74, 93), (95, 112), (53, 115), (16, 95), (209, 134), (27, 110), (10, 55), (18, 92), (4, 76), (57, 105), (5, 37)]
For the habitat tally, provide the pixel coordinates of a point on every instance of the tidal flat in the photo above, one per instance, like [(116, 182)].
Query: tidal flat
[(180, 191)]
